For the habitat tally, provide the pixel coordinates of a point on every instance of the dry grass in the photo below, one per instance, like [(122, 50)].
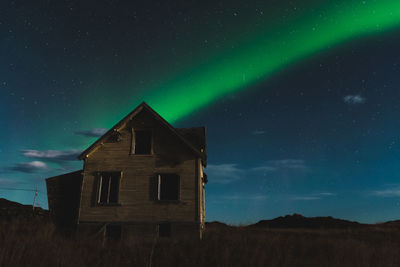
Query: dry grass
[(37, 243)]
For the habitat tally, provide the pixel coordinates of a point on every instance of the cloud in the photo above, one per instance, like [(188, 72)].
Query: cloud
[(53, 155), (224, 173), (29, 167), (390, 192), (95, 132), (284, 164), (236, 197), (305, 198), (289, 163), (258, 132), (326, 194), (354, 99), (230, 172), (264, 169), (244, 197), (315, 196)]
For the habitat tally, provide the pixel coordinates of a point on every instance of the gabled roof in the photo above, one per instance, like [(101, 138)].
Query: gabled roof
[(193, 138)]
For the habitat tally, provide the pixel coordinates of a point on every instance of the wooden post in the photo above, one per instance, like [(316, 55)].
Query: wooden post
[(132, 148), (34, 199)]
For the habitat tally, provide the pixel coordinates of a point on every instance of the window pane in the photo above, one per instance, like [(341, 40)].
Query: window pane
[(114, 188), (143, 142), (169, 187), (105, 180)]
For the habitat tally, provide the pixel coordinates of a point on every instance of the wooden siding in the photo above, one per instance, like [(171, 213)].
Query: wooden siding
[(135, 200), (63, 193), (202, 214)]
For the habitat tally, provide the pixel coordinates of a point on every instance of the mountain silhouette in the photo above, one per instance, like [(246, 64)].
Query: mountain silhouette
[(12, 210), (299, 221)]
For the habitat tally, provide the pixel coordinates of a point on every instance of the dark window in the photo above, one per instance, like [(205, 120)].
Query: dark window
[(108, 187), (113, 232), (143, 140), (168, 186), (164, 230)]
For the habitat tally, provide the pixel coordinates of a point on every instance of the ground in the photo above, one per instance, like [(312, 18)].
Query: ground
[(35, 241)]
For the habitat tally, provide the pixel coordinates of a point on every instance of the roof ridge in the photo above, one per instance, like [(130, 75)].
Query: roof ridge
[(132, 114)]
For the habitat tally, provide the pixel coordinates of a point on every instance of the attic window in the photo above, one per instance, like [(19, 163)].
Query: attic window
[(143, 140), (168, 187), (108, 188)]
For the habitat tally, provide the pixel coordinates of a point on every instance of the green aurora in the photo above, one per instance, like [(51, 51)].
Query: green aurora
[(268, 52)]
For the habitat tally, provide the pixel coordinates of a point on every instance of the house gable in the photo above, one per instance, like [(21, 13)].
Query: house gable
[(189, 138)]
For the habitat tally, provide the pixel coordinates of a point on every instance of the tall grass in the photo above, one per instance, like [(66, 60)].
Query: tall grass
[(39, 243)]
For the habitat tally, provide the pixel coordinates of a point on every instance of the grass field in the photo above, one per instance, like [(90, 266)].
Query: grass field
[(38, 243)]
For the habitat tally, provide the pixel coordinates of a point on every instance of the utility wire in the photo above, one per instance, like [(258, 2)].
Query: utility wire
[(20, 189)]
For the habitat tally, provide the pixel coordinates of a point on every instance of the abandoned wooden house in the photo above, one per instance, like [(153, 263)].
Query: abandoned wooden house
[(140, 179)]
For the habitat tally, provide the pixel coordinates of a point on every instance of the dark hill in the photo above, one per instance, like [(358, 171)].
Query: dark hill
[(299, 221), (11, 210), (393, 224), (216, 225)]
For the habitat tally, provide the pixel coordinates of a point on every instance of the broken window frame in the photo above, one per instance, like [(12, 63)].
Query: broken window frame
[(159, 187), (135, 142), (114, 179)]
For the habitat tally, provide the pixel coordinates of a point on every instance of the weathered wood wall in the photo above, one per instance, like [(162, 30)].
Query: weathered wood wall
[(202, 214), (63, 193), (138, 171)]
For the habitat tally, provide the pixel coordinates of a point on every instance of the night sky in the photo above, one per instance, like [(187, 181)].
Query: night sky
[(301, 99)]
